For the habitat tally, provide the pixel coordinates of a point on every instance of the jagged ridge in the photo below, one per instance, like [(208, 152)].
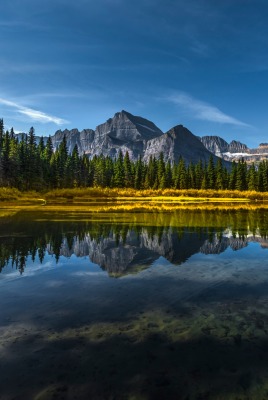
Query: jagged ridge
[(142, 138), (137, 135), (234, 150)]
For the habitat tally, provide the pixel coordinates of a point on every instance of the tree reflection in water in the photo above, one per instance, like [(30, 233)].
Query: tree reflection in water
[(121, 244), (194, 332)]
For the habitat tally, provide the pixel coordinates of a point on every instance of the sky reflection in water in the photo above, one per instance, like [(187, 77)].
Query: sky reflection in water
[(135, 309)]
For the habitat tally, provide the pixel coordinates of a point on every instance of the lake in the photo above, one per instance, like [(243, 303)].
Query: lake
[(148, 305)]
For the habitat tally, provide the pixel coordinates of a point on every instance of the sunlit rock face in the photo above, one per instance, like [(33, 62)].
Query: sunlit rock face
[(215, 144), (82, 139), (178, 142), (124, 132), (125, 126)]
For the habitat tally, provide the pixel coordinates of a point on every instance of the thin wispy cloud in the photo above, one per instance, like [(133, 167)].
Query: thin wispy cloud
[(12, 23), (199, 48), (24, 68), (34, 115), (202, 110)]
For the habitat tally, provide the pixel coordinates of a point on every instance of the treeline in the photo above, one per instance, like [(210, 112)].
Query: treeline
[(26, 165)]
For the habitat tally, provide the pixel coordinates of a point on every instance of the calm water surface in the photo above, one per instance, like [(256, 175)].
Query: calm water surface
[(134, 306)]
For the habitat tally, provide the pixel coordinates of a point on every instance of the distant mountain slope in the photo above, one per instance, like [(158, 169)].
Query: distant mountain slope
[(178, 142), (82, 139), (234, 150), (219, 146)]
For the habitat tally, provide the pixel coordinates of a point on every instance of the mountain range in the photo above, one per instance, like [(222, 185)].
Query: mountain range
[(142, 138), (137, 135)]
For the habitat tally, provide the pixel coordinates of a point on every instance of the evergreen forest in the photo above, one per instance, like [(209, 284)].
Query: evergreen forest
[(26, 165)]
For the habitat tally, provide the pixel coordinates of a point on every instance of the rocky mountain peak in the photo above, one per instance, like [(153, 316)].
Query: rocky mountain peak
[(125, 132), (122, 114), (223, 149), (73, 137), (215, 144), (236, 147), (177, 142), (179, 131), (127, 127)]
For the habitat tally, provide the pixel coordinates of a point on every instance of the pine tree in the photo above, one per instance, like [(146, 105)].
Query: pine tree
[(265, 176), (191, 179), (48, 152), (12, 134), (14, 160), (100, 178), (181, 178), (252, 178), (85, 174), (61, 163), (149, 181), (5, 160), (41, 146), (1, 150), (22, 151), (31, 172), (128, 177), (211, 177), (161, 168), (119, 174), (2, 132), (168, 175), (219, 183), (205, 181), (74, 168), (262, 177), (199, 174), (232, 177), (138, 177), (109, 165), (241, 171), (174, 171)]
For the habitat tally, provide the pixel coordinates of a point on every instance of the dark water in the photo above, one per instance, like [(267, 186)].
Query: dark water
[(134, 306)]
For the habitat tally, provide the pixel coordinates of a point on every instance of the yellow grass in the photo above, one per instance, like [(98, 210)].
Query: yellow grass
[(130, 200), (166, 193), (97, 192)]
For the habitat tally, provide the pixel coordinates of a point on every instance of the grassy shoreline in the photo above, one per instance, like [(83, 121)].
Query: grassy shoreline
[(129, 200), (9, 194)]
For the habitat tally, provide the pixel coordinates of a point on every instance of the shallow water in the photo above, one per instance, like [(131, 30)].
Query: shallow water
[(134, 306)]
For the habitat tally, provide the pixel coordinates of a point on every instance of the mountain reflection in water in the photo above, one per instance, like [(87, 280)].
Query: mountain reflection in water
[(126, 246), (197, 332)]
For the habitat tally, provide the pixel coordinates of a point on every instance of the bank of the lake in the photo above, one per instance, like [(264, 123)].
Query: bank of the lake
[(130, 200)]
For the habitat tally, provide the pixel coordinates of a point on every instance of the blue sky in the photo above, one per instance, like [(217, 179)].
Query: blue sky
[(200, 63)]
